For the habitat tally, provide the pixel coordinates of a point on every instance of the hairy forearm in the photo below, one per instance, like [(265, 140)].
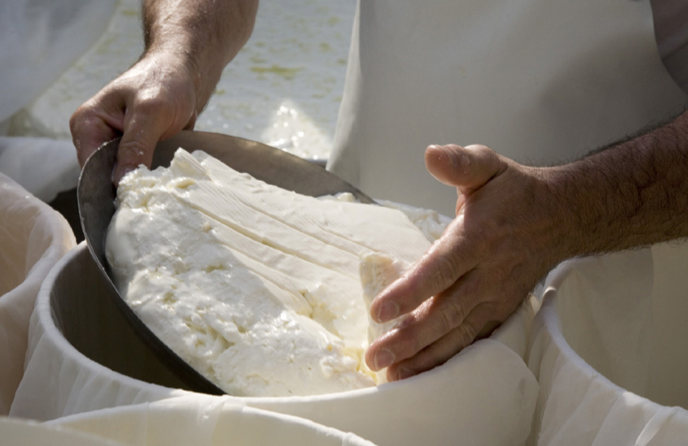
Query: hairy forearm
[(204, 35), (632, 194)]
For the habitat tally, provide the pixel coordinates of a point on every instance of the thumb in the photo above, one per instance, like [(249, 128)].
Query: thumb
[(467, 168)]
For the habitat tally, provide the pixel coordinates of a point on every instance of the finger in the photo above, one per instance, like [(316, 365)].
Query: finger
[(444, 263), (452, 255), (432, 320), (143, 128), (444, 348), (93, 133), (467, 168), (94, 124)]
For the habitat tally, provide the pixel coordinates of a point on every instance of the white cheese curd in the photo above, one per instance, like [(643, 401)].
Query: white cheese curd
[(378, 271), (256, 287), (431, 223)]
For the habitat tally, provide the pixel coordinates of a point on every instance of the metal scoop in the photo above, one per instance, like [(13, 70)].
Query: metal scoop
[(96, 197)]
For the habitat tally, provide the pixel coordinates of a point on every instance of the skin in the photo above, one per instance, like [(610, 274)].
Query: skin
[(514, 223), (187, 45)]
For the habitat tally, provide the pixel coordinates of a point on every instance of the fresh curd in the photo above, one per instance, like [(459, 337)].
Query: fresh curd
[(256, 287)]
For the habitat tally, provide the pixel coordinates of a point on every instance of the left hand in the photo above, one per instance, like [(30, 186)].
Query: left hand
[(153, 100), (505, 238)]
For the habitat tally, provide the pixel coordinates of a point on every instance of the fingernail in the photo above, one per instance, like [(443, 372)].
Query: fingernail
[(454, 160), (383, 358), (464, 161), (388, 310), (404, 373)]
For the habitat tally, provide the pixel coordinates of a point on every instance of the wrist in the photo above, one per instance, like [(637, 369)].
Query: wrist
[(577, 209), (202, 36), (631, 194), (559, 222), (178, 63)]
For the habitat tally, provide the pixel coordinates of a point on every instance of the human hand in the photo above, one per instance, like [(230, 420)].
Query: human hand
[(500, 244), (153, 100)]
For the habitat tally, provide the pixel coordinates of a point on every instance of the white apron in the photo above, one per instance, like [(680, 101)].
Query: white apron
[(539, 81), (40, 39)]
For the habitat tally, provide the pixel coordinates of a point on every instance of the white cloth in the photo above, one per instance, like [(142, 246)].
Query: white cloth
[(33, 237), (42, 166), (17, 432), (671, 29), (41, 39), (204, 421), (485, 394), (608, 349), (539, 81)]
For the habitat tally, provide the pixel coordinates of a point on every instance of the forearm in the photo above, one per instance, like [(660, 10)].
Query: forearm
[(633, 194), (204, 35)]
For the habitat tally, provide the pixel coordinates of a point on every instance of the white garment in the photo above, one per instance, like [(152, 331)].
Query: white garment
[(40, 39), (33, 237), (671, 30), (608, 348), (539, 81), (202, 420), (43, 166), (25, 432)]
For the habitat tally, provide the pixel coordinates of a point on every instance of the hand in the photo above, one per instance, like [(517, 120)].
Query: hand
[(502, 241), (153, 100)]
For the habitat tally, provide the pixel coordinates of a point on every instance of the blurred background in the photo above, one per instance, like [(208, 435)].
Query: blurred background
[(283, 89)]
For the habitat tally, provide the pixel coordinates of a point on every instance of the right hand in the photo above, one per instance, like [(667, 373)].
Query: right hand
[(510, 229), (153, 100)]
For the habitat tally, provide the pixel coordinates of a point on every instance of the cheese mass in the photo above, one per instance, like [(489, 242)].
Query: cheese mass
[(256, 287)]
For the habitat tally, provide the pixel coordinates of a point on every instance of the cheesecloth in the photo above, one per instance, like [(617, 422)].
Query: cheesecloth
[(486, 394), (204, 421), (33, 237), (42, 166), (24, 432), (607, 348)]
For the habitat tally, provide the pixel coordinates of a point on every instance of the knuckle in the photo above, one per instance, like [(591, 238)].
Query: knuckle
[(407, 339), (151, 103), (464, 335), (446, 269), (75, 119), (83, 115), (452, 313)]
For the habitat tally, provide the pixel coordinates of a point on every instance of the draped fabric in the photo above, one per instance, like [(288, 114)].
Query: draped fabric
[(33, 237)]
